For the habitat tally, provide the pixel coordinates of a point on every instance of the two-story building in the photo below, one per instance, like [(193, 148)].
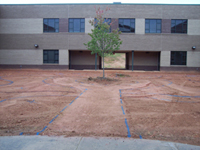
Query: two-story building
[(155, 36)]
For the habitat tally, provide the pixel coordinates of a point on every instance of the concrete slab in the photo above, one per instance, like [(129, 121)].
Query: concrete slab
[(87, 143)]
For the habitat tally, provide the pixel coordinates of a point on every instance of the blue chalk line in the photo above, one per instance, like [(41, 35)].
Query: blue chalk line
[(123, 110), (33, 101), (63, 109), (121, 101), (53, 119), (57, 115), (11, 82), (41, 130), (21, 133), (128, 130), (140, 136)]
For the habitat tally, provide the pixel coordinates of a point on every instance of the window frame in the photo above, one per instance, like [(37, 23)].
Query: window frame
[(56, 55), (149, 27), (56, 23), (71, 29), (182, 30), (132, 21), (174, 58)]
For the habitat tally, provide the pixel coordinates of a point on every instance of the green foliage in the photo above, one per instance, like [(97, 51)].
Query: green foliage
[(102, 41)]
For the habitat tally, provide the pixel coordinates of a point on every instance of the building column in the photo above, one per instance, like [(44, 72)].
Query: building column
[(132, 59), (95, 61)]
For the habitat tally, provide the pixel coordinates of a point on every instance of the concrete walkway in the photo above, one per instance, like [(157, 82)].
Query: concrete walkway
[(87, 143)]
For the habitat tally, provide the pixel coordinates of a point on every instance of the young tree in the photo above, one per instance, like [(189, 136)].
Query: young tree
[(102, 40)]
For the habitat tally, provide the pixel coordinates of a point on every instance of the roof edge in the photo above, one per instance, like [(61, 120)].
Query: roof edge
[(101, 4)]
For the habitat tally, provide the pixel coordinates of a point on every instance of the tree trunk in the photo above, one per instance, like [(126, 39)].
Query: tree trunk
[(103, 65)]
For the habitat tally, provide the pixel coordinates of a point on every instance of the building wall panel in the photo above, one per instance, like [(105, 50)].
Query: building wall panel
[(27, 41), (63, 57), (29, 57), (193, 27), (180, 11), (114, 23), (165, 58), (63, 24), (21, 26), (144, 59), (88, 26), (72, 41), (166, 25), (83, 58), (34, 11), (193, 59), (139, 26), (87, 11), (180, 42)]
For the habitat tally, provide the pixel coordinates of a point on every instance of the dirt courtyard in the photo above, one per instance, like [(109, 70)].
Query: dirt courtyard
[(149, 105)]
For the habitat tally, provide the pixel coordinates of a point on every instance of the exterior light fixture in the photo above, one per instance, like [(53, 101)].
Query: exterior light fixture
[(193, 47), (36, 46)]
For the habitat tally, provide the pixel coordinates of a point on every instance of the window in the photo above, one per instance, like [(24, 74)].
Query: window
[(106, 20), (51, 56), (76, 25), (127, 25), (50, 25), (178, 57), (153, 25), (178, 26)]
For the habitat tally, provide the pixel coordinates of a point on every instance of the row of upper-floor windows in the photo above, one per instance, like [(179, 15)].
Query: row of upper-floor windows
[(125, 25)]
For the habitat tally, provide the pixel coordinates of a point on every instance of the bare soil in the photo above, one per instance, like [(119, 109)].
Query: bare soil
[(157, 105)]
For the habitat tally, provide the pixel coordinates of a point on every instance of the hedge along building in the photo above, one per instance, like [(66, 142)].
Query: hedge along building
[(155, 37)]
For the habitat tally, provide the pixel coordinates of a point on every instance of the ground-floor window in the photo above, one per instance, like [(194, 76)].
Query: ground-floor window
[(178, 57), (51, 56)]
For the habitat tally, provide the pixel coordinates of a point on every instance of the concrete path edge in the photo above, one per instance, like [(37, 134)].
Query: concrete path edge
[(87, 143)]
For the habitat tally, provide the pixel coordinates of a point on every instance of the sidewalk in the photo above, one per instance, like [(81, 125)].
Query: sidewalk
[(87, 143)]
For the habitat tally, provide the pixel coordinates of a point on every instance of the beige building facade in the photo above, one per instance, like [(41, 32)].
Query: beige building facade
[(155, 37)]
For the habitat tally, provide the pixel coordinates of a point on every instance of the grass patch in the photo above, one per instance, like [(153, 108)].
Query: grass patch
[(101, 79), (121, 75)]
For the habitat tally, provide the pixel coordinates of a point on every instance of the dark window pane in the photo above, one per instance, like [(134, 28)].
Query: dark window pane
[(158, 26), (76, 25), (173, 21), (158, 20), (120, 21), (178, 26), (83, 25), (153, 26), (70, 25), (50, 56), (127, 25), (82, 30), (70, 30), (146, 25), (45, 20), (82, 20), (50, 25), (178, 57)]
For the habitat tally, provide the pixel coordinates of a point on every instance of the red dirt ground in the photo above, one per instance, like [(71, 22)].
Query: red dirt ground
[(157, 105)]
